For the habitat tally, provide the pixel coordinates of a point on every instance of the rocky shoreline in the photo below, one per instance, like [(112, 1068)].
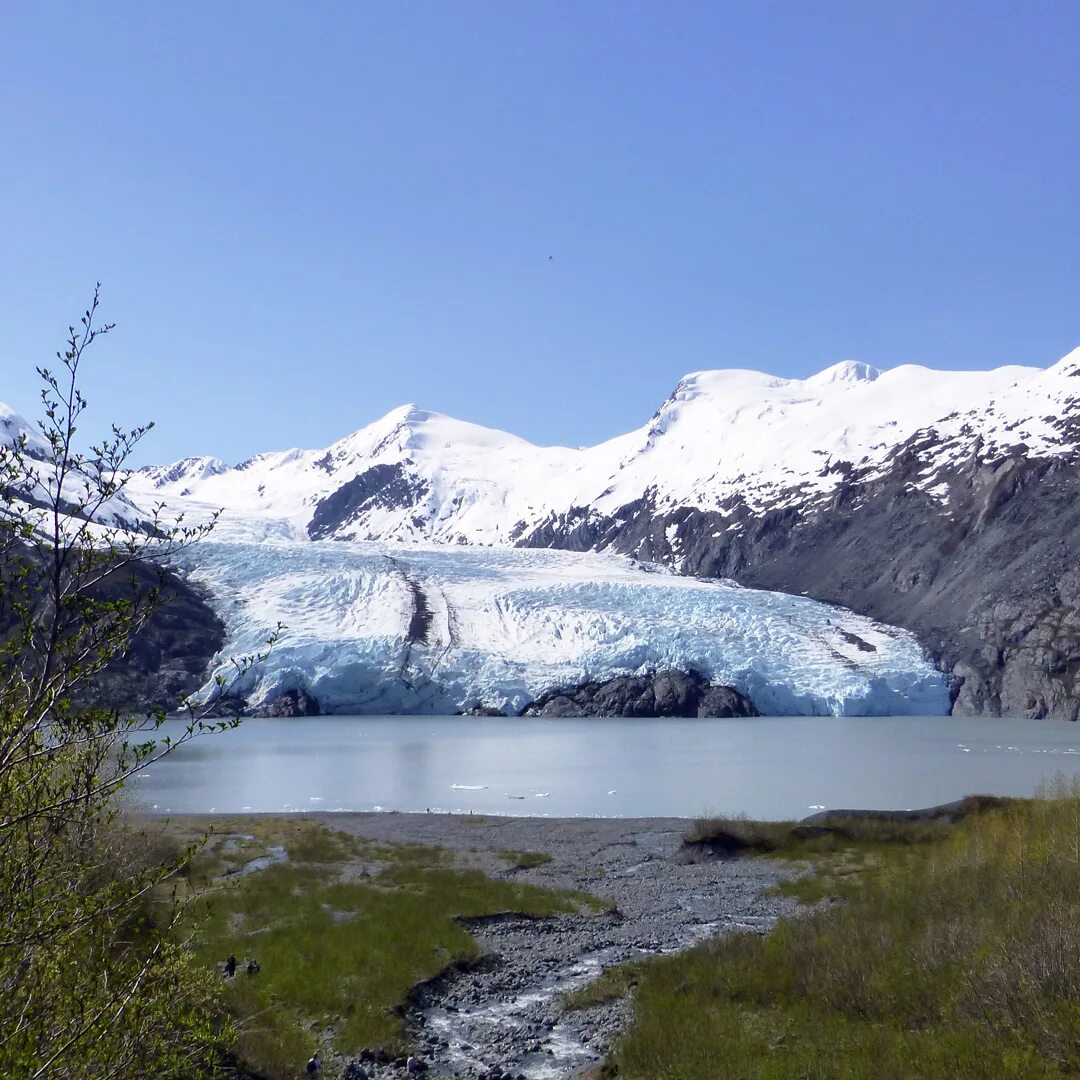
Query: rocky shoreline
[(502, 1017)]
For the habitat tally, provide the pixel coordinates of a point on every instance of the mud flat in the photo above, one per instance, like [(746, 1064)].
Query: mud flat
[(502, 1017)]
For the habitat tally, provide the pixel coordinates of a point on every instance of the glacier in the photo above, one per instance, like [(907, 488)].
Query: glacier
[(422, 514), (382, 628)]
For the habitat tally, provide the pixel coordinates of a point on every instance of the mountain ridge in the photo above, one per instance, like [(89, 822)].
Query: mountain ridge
[(942, 502), (458, 482)]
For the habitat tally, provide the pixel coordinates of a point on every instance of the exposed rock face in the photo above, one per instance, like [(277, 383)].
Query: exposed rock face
[(289, 703), (664, 693), (381, 485), (482, 710), (988, 577), (943, 502), (169, 659), (986, 571)]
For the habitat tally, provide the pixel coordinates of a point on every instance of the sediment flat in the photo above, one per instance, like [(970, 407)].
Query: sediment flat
[(503, 1017)]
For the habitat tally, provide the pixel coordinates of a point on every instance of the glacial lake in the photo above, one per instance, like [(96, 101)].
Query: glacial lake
[(767, 767)]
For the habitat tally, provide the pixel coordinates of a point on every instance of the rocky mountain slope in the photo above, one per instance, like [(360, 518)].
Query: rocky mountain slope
[(966, 532), (722, 438), (943, 502), (168, 659), (30, 475)]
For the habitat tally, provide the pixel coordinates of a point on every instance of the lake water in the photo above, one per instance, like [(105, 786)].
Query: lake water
[(767, 767)]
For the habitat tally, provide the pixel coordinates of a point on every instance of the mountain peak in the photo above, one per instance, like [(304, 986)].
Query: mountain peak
[(13, 426), (726, 380), (847, 371), (409, 413), (722, 438), (186, 470)]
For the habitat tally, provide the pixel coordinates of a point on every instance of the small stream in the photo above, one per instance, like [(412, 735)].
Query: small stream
[(275, 853), (528, 1014), (545, 1043)]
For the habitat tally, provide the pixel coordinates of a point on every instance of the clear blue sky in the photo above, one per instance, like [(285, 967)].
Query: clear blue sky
[(305, 214)]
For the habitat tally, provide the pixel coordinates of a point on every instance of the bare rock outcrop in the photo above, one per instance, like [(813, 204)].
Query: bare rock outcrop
[(663, 693)]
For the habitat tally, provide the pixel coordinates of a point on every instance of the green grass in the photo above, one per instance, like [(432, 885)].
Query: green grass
[(525, 860), (796, 840), (613, 984), (839, 851), (343, 931), (838, 856), (954, 958)]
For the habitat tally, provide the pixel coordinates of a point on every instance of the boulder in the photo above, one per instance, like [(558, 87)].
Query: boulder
[(289, 703), (668, 692)]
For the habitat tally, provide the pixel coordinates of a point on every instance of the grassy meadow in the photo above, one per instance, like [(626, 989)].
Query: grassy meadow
[(927, 949), (342, 928), (935, 951)]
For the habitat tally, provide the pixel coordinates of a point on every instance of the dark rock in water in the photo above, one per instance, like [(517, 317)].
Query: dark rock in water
[(669, 692), (290, 703), (482, 710), (719, 700)]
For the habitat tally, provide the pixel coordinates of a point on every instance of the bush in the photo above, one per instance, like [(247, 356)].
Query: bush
[(93, 979), (959, 958)]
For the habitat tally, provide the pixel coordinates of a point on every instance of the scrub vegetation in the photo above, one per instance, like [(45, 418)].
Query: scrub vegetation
[(950, 955), (95, 979), (525, 860), (111, 927), (342, 928)]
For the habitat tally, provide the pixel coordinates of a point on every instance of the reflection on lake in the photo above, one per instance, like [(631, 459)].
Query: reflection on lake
[(767, 767)]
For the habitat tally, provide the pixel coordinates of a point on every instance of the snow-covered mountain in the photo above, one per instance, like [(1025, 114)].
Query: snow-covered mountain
[(944, 502), (34, 482), (723, 438), (14, 427)]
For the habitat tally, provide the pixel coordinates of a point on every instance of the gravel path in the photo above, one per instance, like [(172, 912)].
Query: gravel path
[(502, 1018)]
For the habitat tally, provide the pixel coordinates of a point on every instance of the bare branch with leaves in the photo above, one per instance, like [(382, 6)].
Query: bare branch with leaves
[(88, 957)]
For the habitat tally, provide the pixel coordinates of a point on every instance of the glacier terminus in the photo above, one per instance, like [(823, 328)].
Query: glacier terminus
[(382, 627)]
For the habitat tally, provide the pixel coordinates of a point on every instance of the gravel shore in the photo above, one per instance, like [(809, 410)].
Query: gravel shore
[(502, 1017)]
